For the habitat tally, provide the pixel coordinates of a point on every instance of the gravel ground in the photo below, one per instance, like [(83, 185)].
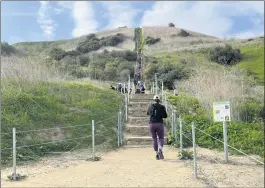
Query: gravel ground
[(137, 167)]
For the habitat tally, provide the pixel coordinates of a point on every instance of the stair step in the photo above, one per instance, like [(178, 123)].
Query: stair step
[(141, 100), (137, 130), (138, 113), (143, 96), (140, 140), (141, 130), (138, 120)]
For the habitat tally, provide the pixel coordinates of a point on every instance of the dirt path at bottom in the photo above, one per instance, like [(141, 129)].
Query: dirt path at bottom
[(131, 167)]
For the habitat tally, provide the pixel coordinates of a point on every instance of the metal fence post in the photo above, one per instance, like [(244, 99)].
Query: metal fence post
[(156, 84), (121, 128), (180, 135), (165, 101), (129, 89), (172, 123), (14, 155), (153, 87), (194, 150), (175, 125), (126, 108), (225, 141), (93, 140), (118, 129), (124, 88)]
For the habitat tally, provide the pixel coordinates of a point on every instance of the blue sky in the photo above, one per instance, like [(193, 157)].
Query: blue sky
[(47, 20)]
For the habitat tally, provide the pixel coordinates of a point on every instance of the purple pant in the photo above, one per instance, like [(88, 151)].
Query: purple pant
[(157, 130)]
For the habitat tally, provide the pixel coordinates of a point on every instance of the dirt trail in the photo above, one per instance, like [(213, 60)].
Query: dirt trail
[(130, 167), (137, 167)]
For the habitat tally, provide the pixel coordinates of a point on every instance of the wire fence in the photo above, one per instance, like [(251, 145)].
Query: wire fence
[(191, 141), (88, 141)]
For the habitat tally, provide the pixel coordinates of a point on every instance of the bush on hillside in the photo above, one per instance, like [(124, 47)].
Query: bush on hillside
[(185, 104), (127, 54), (83, 60), (7, 49), (92, 43), (57, 53), (168, 72), (183, 33), (225, 55), (112, 40), (151, 40), (88, 46), (91, 36), (123, 75), (251, 110), (171, 25)]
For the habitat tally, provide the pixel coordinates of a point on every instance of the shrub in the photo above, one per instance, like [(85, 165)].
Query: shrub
[(251, 111), (57, 53), (183, 33), (225, 55), (185, 104), (83, 60), (167, 72), (112, 40), (171, 25), (151, 40), (170, 72), (92, 43), (185, 155), (7, 49), (127, 55), (91, 36), (247, 137)]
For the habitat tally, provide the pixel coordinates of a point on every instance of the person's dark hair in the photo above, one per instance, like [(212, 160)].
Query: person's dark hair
[(157, 100)]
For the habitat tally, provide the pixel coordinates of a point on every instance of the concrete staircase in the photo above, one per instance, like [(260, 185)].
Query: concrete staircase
[(136, 130)]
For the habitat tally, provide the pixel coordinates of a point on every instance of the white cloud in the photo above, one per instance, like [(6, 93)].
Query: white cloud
[(63, 5), (47, 24), (208, 17), (120, 14), (83, 15)]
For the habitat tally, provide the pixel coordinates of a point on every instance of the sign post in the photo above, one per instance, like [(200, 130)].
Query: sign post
[(221, 113)]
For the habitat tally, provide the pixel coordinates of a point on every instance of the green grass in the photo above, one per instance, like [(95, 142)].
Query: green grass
[(253, 60), (42, 105), (176, 57)]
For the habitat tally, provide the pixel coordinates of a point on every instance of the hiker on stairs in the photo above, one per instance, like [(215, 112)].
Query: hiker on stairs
[(157, 112)]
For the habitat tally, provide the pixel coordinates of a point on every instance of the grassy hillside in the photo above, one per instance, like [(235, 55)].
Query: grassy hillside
[(169, 36), (36, 97), (252, 57), (43, 105), (253, 60)]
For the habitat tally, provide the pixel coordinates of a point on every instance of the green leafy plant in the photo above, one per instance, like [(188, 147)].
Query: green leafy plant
[(225, 55), (151, 40), (185, 155)]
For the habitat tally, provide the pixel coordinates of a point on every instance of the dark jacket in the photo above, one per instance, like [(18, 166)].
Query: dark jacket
[(160, 113)]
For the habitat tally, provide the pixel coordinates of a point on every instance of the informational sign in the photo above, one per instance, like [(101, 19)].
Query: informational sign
[(221, 111)]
